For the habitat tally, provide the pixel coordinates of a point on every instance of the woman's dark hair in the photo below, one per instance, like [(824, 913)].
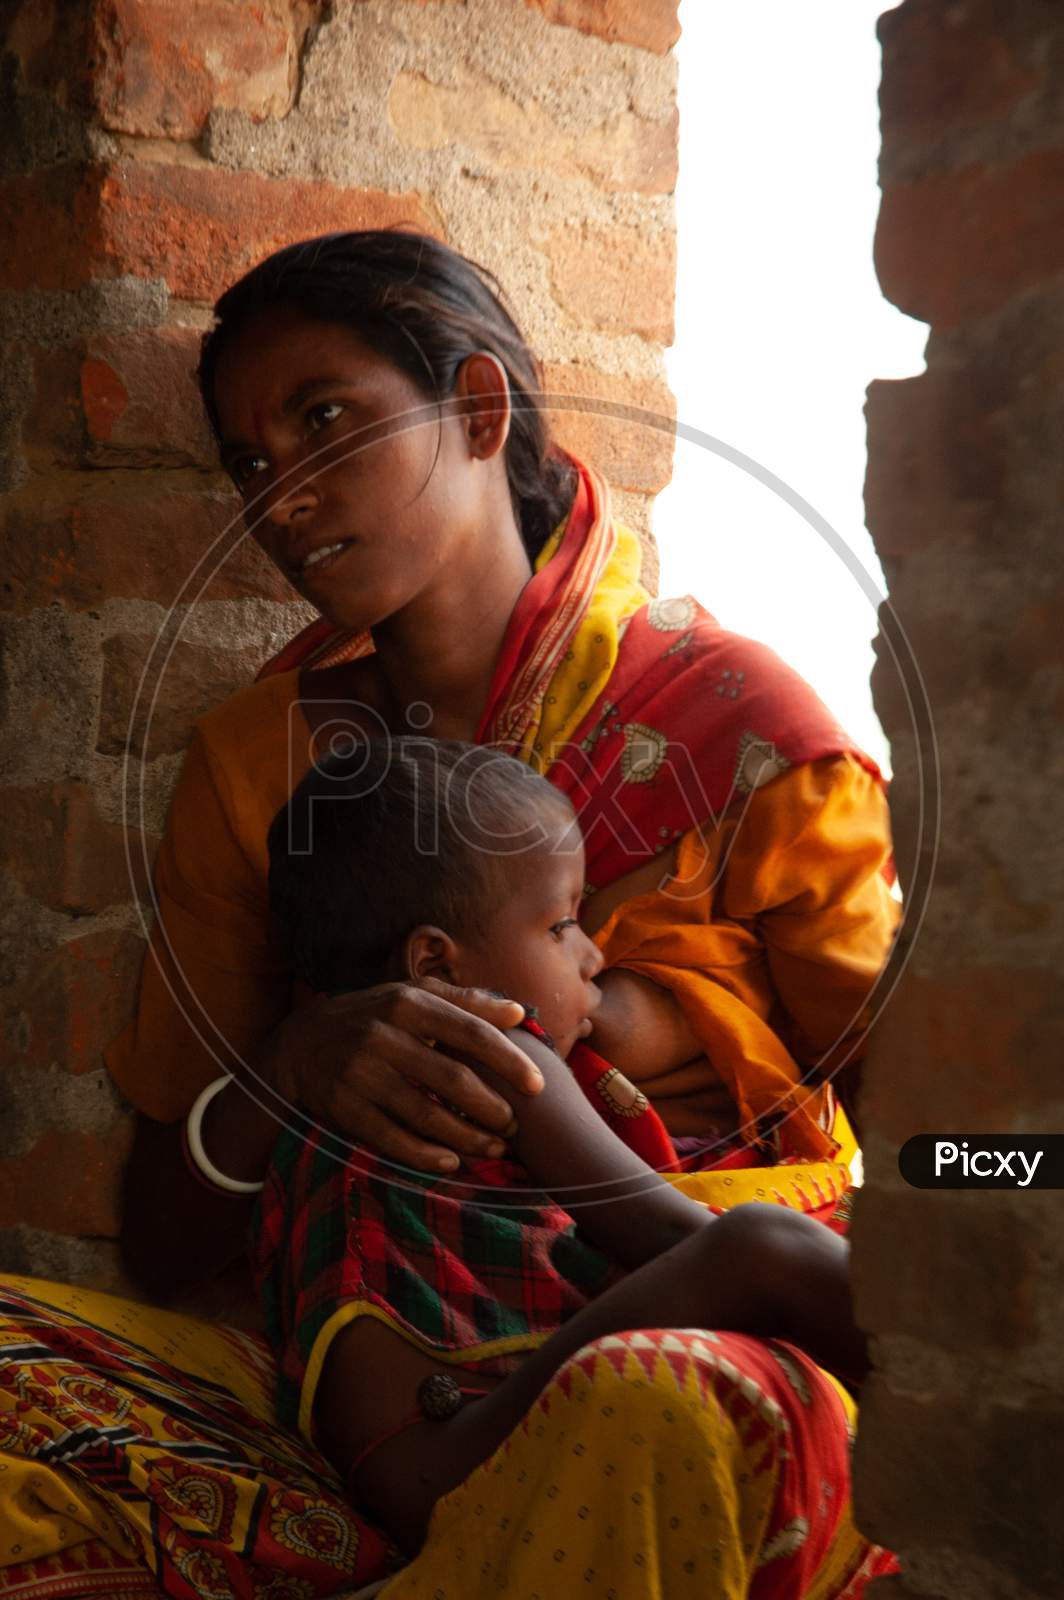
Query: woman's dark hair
[(425, 308), (396, 833)]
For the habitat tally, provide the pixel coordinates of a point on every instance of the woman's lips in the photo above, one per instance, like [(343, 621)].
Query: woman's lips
[(308, 574)]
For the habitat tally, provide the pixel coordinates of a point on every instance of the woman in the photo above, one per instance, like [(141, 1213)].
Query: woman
[(376, 406)]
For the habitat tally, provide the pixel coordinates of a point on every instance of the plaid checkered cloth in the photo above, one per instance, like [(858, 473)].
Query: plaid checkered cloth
[(478, 1266)]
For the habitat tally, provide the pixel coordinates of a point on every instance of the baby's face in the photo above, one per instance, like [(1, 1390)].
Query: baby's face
[(532, 946)]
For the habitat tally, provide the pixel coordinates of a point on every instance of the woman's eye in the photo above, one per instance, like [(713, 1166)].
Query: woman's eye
[(323, 416), (244, 468)]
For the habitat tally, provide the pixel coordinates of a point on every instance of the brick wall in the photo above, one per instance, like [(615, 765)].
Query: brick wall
[(961, 1450), (155, 149)]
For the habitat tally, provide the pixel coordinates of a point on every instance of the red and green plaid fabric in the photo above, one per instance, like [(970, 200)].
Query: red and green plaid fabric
[(458, 1262)]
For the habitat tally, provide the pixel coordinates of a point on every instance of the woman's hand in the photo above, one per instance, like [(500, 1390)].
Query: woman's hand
[(359, 1064)]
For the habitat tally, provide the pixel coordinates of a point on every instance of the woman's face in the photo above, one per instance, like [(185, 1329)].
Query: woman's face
[(352, 483)]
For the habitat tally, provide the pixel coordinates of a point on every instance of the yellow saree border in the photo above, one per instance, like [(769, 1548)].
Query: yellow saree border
[(805, 1186), (351, 1310)]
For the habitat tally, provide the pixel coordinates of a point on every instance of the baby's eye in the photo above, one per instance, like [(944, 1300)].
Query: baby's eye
[(560, 927), (323, 416)]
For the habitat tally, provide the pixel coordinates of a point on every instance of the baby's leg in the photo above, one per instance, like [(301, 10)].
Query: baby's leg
[(760, 1269)]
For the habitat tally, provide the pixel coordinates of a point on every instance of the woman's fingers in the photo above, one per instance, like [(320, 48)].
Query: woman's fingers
[(469, 1023), (379, 1050), (385, 1137), (420, 1068)]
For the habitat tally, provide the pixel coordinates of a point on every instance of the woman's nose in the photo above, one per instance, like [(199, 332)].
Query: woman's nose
[(293, 503)]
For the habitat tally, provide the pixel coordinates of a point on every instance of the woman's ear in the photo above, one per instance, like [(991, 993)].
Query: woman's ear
[(430, 953), (482, 387)]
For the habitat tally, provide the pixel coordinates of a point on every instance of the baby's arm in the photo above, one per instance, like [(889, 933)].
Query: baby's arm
[(619, 1203)]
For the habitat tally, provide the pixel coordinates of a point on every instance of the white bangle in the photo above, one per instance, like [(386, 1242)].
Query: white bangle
[(194, 1143)]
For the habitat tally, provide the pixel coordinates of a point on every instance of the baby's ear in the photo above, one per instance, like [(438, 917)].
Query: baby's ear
[(428, 952)]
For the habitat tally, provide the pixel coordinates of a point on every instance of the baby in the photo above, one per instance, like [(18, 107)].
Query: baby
[(412, 859)]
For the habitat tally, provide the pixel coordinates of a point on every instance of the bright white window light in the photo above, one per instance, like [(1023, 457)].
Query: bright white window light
[(781, 325)]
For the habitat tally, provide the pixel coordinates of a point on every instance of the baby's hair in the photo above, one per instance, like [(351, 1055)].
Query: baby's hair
[(391, 835)]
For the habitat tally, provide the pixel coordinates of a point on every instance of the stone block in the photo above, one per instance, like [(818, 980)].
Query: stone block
[(161, 66), (622, 426), (49, 670), (650, 24), (157, 719), (34, 1101), (63, 1258), (958, 245), (154, 538), (615, 279), (626, 152)]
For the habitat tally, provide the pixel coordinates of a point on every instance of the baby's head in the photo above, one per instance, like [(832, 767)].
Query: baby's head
[(413, 858)]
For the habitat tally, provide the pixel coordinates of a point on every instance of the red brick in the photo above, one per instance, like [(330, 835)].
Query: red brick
[(163, 416), (184, 686), (949, 68), (959, 245), (616, 279), (651, 24), (103, 397), (937, 457), (127, 398), (138, 541), (67, 1003), (974, 1477), (59, 850), (897, 1283), (68, 1183), (49, 228), (971, 1049), (197, 227), (52, 54), (632, 452), (53, 423), (161, 66), (200, 227)]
